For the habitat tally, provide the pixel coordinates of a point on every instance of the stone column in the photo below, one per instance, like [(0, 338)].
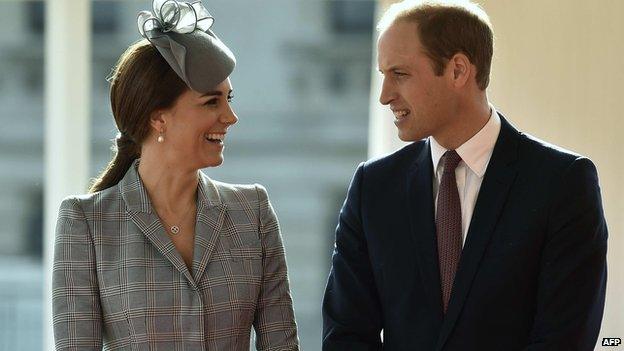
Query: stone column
[(66, 144)]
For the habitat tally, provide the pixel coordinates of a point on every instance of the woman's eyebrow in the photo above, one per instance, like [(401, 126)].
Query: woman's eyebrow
[(215, 93), (212, 93)]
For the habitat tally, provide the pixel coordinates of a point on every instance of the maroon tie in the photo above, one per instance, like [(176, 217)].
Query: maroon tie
[(448, 226)]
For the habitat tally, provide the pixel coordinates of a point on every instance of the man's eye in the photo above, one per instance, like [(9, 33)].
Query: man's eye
[(211, 102)]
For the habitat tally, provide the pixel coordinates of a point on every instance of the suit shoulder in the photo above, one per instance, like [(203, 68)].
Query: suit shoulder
[(89, 200), (547, 154), (397, 158), (239, 194)]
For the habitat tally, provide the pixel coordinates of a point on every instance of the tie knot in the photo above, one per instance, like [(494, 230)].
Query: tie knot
[(451, 160)]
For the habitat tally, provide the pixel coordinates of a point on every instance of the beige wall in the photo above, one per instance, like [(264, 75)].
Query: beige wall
[(558, 73)]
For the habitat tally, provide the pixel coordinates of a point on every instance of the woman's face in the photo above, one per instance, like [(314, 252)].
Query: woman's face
[(195, 127)]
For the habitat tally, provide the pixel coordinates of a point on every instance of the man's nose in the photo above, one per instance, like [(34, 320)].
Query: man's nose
[(387, 92)]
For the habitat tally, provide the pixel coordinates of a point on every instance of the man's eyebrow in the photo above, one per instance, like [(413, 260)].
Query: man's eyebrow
[(392, 68)]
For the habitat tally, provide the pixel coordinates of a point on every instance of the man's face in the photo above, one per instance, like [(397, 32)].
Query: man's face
[(421, 101)]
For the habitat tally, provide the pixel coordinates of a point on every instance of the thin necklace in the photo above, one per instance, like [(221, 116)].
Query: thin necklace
[(175, 228)]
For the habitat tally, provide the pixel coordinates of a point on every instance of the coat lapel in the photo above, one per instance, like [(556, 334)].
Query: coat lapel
[(499, 177), (210, 216), (141, 213), (421, 214)]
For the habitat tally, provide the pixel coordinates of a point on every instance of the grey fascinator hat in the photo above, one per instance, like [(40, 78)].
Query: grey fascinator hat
[(181, 32)]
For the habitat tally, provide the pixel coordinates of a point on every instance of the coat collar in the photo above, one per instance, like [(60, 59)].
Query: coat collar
[(211, 213), (499, 177), (419, 185), (136, 198), (477, 150)]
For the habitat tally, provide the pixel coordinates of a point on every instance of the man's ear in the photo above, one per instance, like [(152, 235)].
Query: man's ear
[(462, 69)]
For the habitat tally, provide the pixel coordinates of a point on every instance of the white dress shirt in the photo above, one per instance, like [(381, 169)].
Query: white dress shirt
[(475, 154)]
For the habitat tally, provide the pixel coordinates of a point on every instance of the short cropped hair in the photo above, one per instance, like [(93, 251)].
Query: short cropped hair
[(448, 27)]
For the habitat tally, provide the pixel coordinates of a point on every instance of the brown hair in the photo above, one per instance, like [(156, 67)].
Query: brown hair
[(446, 28), (141, 82)]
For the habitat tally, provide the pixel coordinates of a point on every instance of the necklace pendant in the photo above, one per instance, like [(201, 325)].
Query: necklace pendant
[(175, 229)]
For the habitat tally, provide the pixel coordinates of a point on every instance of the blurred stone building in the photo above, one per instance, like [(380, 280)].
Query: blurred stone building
[(301, 90)]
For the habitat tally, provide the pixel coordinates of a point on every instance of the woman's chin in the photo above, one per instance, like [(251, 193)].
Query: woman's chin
[(212, 162)]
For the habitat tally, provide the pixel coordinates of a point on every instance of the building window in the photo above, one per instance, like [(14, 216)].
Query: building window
[(104, 16), (352, 16)]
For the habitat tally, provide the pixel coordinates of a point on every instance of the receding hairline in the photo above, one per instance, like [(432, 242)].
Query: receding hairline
[(404, 11)]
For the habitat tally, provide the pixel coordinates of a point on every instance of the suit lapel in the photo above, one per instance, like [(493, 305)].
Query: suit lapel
[(421, 215), (499, 177), (146, 219), (210, 216)]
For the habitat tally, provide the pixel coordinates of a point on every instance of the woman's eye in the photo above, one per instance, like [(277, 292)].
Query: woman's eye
[(230, 98), (211, 102)]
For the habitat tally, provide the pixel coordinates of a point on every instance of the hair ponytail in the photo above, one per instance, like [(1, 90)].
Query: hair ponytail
[(126, 151), (141, 83)]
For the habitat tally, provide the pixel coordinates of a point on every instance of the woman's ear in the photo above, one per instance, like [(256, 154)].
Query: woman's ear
[(158, 119)]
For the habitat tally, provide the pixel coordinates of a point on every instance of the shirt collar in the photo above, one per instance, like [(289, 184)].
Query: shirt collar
[(476, 151)]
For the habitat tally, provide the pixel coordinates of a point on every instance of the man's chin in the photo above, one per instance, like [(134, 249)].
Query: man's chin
[(411, 136)]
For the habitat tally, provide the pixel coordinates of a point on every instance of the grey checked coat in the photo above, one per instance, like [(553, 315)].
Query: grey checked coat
[(120, 283)]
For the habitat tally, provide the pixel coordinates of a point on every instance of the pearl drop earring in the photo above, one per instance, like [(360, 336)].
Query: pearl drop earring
[(161, 138)]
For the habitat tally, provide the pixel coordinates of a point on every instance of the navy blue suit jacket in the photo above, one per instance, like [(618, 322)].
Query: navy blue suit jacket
[(532, 273)]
